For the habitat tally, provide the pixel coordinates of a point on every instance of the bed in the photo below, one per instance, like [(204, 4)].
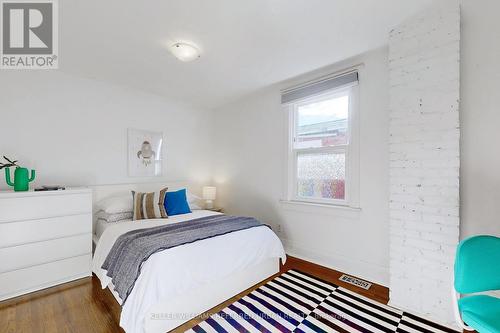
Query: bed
[(179, 283)]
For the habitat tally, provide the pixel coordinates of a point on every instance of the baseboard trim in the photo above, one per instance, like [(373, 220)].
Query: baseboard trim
[(361, 269)]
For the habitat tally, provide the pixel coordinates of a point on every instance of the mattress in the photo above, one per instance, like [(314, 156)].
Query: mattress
[(101, 225)]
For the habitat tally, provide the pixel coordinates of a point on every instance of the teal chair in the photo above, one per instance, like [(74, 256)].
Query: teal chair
[(477, 269)]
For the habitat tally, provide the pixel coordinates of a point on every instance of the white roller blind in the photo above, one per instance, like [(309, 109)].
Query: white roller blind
[(318, 87)]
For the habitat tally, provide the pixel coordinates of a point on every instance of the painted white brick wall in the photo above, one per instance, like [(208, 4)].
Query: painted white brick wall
[(424, 67)]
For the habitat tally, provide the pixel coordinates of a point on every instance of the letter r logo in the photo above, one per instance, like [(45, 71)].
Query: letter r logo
[(27, 28)]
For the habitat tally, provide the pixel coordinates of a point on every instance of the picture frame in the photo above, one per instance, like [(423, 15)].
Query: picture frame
[(145, 153)]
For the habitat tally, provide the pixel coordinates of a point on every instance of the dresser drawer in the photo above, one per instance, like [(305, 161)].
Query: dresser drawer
[(22, 256), (32, 207), (22, 281), (30, 231)]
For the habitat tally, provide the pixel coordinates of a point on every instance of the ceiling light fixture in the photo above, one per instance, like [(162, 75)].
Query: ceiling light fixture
[(185, 52)]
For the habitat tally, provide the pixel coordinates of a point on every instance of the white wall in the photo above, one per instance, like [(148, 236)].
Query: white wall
[(73, 131), (424, 70), (480, 118), (87, 145), (250, 154), (250, 163)]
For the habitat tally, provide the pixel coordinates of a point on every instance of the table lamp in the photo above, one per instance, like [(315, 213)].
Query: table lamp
[(209, 194)]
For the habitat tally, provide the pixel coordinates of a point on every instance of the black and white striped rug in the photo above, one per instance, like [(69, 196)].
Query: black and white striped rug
[(298, 302)]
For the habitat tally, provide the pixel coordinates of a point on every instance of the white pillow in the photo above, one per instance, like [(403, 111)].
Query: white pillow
[(192, 198), (107, 217), (194, 206), (193, 201), (116, 204)]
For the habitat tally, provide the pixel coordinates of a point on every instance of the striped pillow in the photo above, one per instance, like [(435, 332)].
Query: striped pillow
[(149, 205)]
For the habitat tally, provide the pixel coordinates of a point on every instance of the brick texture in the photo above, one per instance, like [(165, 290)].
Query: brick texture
[(424, 67)]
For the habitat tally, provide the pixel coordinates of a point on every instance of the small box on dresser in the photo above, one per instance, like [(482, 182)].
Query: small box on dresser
[(45, 239)]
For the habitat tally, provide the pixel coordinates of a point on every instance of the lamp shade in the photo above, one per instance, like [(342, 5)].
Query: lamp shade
[(209, 192)]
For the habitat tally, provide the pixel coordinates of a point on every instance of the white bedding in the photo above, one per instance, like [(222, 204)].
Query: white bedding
[(102, 225), (170, 273)]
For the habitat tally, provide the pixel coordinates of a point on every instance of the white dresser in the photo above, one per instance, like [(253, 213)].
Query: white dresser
[(45, 239)]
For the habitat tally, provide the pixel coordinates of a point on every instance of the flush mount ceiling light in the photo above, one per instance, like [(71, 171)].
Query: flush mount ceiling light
[(185, 52)]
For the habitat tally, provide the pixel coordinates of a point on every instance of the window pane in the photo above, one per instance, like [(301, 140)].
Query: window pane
[(321, 175), (323, 123)]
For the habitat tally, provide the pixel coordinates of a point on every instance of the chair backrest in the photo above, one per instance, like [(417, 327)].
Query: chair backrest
[(477, 264)]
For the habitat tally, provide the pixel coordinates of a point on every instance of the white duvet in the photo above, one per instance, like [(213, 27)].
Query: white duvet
[(170, 273)]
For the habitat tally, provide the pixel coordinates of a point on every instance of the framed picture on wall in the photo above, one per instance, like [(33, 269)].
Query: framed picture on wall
[(144, 153)]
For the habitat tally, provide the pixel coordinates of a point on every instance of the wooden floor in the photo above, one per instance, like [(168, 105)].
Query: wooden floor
[(82, 306)]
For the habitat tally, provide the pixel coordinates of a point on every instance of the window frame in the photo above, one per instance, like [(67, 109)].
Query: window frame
[(350, 149)]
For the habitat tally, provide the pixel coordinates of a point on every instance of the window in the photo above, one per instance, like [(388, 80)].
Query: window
[(322, 150)]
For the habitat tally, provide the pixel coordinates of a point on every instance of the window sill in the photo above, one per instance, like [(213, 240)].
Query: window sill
[(320, 208)]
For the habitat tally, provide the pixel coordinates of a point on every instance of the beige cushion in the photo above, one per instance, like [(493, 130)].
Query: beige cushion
[(149, 205)]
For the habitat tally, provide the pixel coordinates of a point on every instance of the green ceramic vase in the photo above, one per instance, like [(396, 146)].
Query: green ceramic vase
[(22, 178)]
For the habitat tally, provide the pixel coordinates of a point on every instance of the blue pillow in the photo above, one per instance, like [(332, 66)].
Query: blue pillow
[(176, 203)]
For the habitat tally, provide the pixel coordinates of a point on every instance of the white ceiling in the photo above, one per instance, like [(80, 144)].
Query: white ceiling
[(246, 44)]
